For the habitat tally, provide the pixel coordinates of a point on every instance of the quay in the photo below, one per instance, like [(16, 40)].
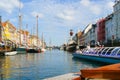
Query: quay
[(68, 76), (109, 72)]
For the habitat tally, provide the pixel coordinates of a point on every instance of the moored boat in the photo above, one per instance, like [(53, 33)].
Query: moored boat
[(43, 50), (71, 47), (108, 72), (107, 54), (33, 50), (21, 50), (10, 53)]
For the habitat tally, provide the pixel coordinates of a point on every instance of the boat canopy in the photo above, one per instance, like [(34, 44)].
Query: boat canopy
[(105, 51)]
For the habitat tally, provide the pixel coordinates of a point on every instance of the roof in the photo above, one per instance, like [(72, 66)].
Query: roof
[(4, 24)]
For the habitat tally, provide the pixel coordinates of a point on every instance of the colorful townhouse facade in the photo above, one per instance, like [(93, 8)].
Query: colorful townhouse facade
[(116, 21), (9, 33), (101, 30), (23, 37), (34, 41), (110, 30)]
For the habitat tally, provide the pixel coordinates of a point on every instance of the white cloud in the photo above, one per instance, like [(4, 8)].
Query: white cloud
[(110, 4), (66, 15), (34, 13), (95, 9), (9, 5), (85, 2)]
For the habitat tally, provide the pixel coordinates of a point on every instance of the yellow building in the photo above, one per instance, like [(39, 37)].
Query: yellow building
[(19, 37), (33, 40), (8, 32)]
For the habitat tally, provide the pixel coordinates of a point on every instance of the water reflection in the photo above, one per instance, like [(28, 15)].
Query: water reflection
[(40, 66), (87, 63)]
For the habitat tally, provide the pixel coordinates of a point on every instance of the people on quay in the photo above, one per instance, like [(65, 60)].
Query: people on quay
[(97, 44), (2, 44), (88, 46)]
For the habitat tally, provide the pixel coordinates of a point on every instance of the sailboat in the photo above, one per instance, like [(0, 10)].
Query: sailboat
[(21, 48), (43, 45), (35, 49)]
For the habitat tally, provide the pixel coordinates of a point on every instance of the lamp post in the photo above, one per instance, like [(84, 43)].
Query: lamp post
[(112, 39)]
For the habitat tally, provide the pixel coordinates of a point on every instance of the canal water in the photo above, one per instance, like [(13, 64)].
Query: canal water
[(38, 66)]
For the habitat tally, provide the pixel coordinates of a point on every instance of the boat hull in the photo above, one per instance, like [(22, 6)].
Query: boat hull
[(21, 50), (43, 50), (33, 51), (10, 53), (71, 48), (97, 58)]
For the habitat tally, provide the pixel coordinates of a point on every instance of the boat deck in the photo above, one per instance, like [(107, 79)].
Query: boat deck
[(109, 72)]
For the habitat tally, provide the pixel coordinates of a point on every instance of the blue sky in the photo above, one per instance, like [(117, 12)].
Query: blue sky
[(56, 17)]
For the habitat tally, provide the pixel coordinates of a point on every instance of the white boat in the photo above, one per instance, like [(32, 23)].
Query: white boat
[(10, 53), (43, 50)]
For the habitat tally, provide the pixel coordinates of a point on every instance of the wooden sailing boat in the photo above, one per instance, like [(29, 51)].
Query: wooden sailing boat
[(50, 45), (35, 49), (43, 45), (21, 48)]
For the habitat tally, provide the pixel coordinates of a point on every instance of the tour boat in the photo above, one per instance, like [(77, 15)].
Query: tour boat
[(106, 54)]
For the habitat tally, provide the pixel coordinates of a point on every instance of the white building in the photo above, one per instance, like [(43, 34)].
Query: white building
[(90, 34), (109, 28), (116, 21)]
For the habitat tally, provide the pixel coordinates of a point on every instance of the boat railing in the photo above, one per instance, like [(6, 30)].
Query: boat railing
[(103, 51), (118, 53), (95, 50), (113, 53), (99, 51), (108, 52)]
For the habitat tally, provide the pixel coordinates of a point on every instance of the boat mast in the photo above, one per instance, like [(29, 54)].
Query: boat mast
[(50, 43), (26, 35), (42, 41), (37, 30), (0, 28), (20, 22)]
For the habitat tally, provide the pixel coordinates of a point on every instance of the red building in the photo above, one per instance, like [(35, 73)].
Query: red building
[(101, 30)]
